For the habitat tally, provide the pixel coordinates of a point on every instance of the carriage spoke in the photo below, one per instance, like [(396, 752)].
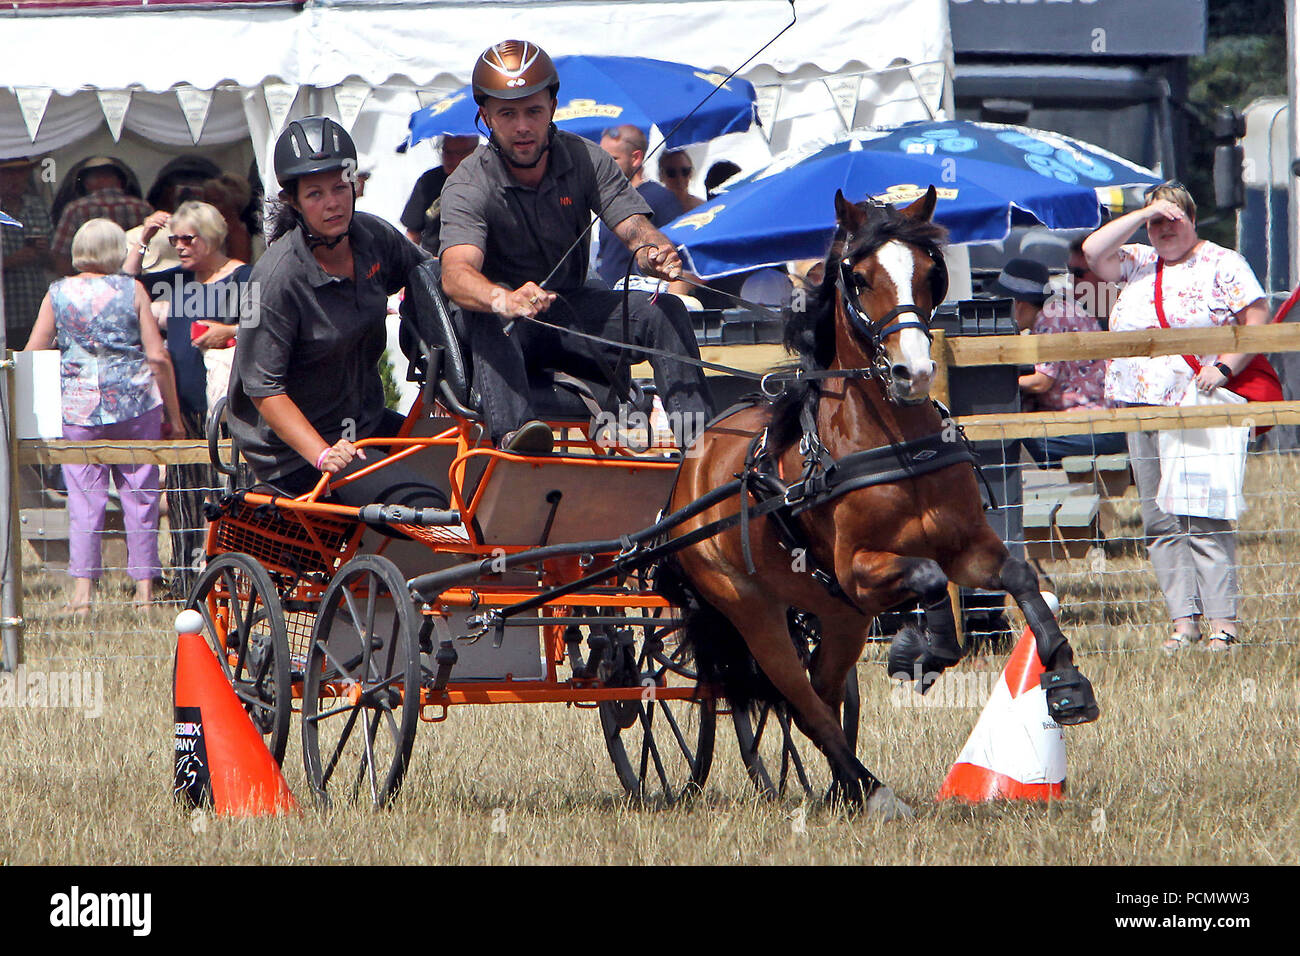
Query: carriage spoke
[(647, 723), (338, 748), (788, 748), (681, 739), (236, 612), (371, 727)]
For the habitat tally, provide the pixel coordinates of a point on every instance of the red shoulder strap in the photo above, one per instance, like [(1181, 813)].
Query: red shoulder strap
[(1160, 312)]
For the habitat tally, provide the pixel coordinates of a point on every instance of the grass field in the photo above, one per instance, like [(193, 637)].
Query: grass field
[(1192, 761)]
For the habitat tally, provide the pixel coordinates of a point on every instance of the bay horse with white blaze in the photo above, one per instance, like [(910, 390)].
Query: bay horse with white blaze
[(857, 499)]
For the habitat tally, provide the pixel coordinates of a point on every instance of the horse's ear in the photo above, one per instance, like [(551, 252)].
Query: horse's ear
[(923, 208), (846, 214)]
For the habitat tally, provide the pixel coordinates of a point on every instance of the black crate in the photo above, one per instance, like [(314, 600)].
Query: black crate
[(988, 390)]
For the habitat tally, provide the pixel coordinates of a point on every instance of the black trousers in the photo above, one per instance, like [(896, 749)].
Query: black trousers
[(395, 484), (502, 362)]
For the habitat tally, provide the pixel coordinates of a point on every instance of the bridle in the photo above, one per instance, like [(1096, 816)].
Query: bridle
[(875, 331)]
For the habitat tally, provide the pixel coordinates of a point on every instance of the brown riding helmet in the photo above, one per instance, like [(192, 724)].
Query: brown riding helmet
[(512, 70)]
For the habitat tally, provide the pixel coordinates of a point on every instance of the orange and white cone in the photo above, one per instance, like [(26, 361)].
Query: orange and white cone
[(1016, 751), (221, 759)]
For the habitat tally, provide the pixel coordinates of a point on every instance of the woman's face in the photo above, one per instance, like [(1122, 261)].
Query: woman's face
[(1172, 238), (194, 252), (325, 202)]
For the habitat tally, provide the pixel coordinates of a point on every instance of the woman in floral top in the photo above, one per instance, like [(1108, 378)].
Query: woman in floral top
[(1201, 285), (117, 383)]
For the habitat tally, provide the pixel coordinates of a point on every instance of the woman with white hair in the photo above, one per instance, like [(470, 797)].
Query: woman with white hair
[(117, 383)]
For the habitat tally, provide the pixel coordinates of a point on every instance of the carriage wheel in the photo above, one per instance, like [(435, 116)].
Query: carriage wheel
[(361, 693), (662, 750), (243, 623), (770, 742)]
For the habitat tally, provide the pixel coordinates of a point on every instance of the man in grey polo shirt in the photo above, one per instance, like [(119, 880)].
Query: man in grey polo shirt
[(514, 217)]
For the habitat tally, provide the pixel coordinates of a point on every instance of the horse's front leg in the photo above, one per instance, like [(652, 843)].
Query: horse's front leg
[(885, 580), (1070, 699)]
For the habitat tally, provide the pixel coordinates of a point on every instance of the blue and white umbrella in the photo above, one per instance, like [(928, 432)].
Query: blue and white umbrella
[(597, 92), (6, 221), (982, 172)]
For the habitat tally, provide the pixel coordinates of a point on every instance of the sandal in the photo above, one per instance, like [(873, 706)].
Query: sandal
[(1221, 642), (1178, 641)]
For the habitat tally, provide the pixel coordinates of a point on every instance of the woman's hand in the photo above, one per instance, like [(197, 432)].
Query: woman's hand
[(336, 457), (154, 222), (1164, 209), (1209, 378), (216, 336)]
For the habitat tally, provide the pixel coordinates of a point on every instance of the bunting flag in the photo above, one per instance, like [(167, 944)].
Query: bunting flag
[(279, 100), (114, 103), (194, 104), (929, 79), (33, 100), (766, 100), (348, 99), (430, 96), (844, 92)]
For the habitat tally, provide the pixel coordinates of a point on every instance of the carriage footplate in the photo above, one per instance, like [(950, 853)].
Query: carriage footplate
[(1070, 699)]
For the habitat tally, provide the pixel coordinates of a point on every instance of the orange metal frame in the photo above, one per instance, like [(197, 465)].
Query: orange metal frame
[(308, 509)]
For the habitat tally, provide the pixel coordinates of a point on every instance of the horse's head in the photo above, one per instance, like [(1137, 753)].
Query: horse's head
[(888, 272)]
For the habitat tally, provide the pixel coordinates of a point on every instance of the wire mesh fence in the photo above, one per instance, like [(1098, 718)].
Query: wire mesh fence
[(171, 517), (1079, 521)]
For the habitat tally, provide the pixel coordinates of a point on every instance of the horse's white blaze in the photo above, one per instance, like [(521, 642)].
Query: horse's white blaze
[(899, 264)]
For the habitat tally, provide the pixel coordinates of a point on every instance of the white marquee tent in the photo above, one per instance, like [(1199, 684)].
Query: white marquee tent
[(222, 77)]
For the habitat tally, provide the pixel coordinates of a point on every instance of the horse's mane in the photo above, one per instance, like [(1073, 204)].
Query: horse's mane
[(810, 332)]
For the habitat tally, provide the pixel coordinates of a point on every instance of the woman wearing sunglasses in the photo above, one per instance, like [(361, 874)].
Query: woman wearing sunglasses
[(675, 172), (1178, 281), (200, 298)]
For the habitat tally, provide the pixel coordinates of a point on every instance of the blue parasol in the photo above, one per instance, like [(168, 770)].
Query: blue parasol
[(597, 92), (982, 171)]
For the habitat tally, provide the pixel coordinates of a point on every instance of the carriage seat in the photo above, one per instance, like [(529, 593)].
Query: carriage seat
[(436, 346)]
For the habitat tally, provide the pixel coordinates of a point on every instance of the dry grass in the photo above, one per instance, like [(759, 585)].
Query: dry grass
[(1192, 761)]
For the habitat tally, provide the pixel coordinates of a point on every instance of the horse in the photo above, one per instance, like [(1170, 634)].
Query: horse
[(885, 508)]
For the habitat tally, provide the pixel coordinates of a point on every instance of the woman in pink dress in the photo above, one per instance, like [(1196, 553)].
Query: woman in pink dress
[(117, 383)]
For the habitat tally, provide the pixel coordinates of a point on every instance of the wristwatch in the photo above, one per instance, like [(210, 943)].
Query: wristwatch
[(1227, 372), (143, 248)]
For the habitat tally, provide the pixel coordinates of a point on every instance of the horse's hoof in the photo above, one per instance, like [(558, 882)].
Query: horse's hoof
[(1070, 699), (884, 803), (913, 657), (844, 796)]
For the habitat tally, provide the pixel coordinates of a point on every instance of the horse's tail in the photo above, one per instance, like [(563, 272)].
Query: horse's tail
[(722, 659)]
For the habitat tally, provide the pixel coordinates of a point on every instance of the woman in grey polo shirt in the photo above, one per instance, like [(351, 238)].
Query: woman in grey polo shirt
[(306, 383)]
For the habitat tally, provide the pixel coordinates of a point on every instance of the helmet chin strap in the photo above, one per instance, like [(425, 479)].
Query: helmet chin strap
[(497, 148)]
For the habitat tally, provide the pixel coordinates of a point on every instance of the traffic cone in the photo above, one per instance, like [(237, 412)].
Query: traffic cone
[(221, 760), (1016, 751)]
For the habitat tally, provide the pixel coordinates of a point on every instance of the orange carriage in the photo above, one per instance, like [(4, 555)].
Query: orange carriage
[(534, 586)]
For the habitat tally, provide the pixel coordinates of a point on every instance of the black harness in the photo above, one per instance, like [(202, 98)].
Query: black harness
[(825, 478)]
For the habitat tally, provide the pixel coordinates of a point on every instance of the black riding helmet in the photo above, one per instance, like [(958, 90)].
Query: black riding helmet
[(313, 144)]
